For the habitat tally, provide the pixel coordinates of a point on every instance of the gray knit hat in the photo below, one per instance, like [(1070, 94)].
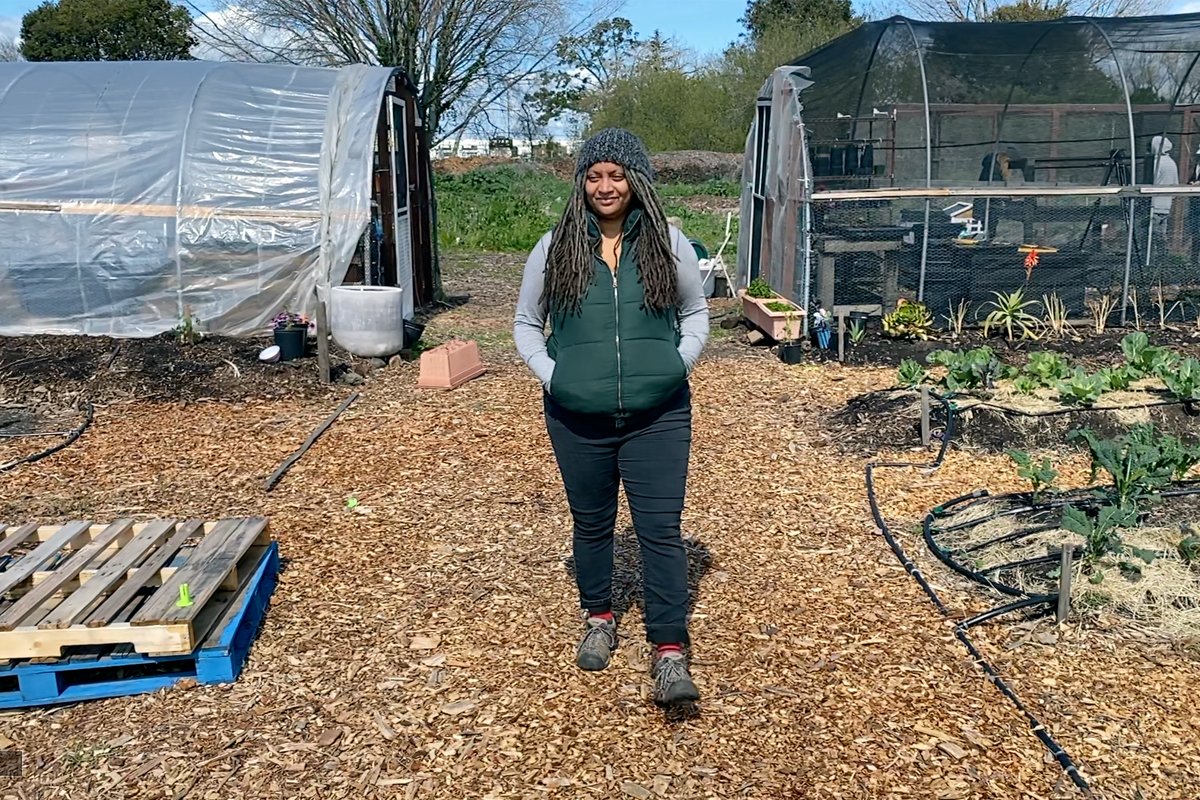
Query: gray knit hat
[(617, 146)]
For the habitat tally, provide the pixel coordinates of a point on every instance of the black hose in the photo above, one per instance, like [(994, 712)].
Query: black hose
[(1039, 730), (1005, 539), (75, 434), (960, 631)]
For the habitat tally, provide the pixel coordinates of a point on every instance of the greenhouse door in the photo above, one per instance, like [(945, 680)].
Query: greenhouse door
[(402, 227), (758, 210)]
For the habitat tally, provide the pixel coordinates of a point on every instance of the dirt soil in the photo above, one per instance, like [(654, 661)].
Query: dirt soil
[(890, 418), (420, 644), (1088, 349), (103, 369)]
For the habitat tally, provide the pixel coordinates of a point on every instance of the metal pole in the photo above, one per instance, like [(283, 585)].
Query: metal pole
[(924, 256), (806, 222), (928, 155), (1132, 170), (1128, 261)]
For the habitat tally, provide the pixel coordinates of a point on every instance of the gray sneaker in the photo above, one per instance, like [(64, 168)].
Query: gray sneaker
[(672, 681), (597, 644)]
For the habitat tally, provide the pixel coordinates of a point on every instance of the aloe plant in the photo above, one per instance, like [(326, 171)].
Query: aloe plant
[(1010, 314)]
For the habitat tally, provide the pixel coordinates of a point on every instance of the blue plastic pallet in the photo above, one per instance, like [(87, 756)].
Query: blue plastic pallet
[(88, 676)]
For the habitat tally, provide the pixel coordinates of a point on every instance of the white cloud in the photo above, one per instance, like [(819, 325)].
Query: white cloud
[(10, 27), (235, 25)]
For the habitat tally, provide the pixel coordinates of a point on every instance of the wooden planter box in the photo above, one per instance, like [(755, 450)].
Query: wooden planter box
[(772, 323)]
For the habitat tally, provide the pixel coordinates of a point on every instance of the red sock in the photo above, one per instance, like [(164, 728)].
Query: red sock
[(607, 616), (663, 649)]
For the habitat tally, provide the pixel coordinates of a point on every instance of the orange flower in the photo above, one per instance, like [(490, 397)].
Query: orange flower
[(1031, 260)]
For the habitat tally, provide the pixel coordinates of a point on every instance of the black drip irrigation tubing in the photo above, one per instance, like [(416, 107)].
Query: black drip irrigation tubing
[(961, 628), (52, 449)]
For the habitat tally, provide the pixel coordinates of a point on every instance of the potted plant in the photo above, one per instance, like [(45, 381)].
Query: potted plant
[(791, 349), (291, 334)]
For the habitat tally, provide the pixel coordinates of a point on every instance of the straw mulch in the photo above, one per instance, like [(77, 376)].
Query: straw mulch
[(420, 644)]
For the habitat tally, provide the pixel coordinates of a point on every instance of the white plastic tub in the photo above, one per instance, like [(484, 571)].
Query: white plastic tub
[(368, 321)]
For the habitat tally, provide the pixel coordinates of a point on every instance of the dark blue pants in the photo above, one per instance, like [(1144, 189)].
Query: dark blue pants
[(649, 455)]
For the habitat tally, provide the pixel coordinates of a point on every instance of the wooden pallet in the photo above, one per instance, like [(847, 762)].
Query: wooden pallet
[(85, 583), (93, 672)]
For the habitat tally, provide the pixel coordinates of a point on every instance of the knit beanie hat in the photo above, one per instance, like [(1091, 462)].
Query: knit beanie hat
[(618, 146)]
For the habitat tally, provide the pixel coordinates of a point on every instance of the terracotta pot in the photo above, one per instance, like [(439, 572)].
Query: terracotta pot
[(450, 365), (772, 323)]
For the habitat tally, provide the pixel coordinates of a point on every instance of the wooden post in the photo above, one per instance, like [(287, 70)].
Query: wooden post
[(1064, 585), (323, 341), (925, 416), (842, 336)]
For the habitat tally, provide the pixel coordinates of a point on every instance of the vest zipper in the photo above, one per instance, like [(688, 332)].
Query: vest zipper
[(617, 310)]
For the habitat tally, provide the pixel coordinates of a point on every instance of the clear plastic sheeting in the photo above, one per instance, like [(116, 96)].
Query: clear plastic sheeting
[(924, 160), (133, 194)]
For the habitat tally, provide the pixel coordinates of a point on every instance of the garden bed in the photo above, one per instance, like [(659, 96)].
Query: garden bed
[(1034, 401), (1152, 578), (891, 418)]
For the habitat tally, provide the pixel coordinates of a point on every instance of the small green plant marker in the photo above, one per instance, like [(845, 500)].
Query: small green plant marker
[(185, 596)]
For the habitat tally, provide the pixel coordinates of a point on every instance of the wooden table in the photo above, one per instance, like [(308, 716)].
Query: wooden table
[(830, 247)]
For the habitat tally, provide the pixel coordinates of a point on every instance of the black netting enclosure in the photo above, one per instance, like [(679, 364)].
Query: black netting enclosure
[(944, 162)]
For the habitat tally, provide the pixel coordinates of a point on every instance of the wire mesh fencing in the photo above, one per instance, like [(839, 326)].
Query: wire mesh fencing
[(1073, 254)]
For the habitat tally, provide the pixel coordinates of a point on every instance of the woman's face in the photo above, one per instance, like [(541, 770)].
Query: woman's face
[(608, 192)]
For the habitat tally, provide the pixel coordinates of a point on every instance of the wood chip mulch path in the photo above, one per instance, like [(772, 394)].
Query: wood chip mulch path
[(420, 644)]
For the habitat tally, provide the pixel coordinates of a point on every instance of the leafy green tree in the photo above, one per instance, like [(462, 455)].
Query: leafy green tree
[(107, 30), (764, 16), (588, 66), (1029, 11)]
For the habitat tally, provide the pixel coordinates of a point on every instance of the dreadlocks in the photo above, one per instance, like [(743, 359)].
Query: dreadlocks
[(570, 262)]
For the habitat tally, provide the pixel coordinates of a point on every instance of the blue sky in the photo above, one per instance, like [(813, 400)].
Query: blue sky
[(705, 26)]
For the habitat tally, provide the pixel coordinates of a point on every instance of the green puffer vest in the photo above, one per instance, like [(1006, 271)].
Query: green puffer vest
[(612, 357)]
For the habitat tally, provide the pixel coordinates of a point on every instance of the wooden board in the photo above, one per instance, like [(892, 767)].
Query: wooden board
[(207, 568), (85, 584)]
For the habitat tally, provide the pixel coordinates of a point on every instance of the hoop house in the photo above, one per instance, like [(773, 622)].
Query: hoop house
[(135, 194), (927, 160)]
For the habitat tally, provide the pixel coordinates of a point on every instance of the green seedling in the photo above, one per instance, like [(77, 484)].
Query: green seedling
[(1082, 389), (858, 332), (1101, 535), (912, 374), (1189, 550), (351, 503), (1135, 463), (1040, 476)]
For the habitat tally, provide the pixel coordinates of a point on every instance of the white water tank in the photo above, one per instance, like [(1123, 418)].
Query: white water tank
[(368, 321)]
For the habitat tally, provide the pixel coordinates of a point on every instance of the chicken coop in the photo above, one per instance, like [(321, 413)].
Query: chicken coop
[(945, 162)]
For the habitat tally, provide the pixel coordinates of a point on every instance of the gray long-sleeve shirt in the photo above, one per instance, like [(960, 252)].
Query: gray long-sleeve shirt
[(529, 324)]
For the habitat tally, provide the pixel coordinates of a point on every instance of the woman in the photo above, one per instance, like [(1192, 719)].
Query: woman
[(621, 289)]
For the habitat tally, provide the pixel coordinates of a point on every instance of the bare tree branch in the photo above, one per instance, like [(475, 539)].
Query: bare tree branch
[(9, 50), (463, 55), (984, 10)]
